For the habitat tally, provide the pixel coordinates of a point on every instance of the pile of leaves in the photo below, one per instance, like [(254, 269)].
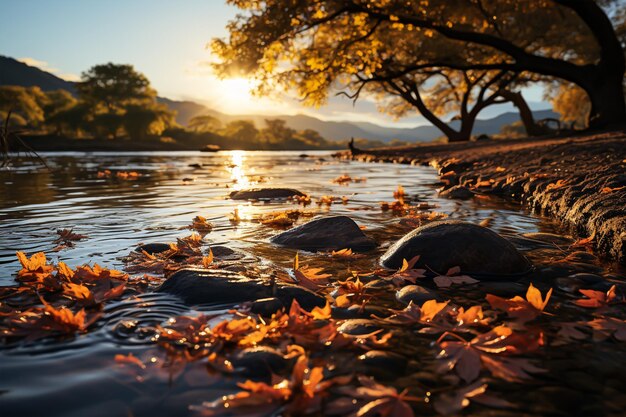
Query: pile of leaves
[(55, 300)]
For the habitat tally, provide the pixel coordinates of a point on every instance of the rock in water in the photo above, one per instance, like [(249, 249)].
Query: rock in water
[(204, 286), (327, 233), (416, 294), (443, 245), (153, 248), (265, 194), (458, 192)]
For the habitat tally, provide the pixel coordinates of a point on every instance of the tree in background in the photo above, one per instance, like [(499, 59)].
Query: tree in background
[(121, 98), (114, 86), (315, 47), (24, 103), (571, 102), (241, 130), (140, 121), (204, 123)]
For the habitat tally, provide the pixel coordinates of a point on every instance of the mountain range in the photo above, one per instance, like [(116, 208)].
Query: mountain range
[(14, 72)]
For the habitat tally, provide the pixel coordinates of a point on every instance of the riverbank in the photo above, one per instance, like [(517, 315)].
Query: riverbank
[(579, 180)]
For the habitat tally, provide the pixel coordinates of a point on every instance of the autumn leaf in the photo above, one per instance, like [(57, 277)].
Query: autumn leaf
[(416, 314), (311, 278), (467, 358), (407, 273), (208, 260), (399, 194), (129, 359), (372, 399), (451, 277), (520, 309), (596, 299), (605, 327), (34, 268), (201, 225), (67, 235), (343, 253), (280, 220)]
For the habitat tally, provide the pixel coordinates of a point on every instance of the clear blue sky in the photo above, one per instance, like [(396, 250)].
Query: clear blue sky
[(164, 39)]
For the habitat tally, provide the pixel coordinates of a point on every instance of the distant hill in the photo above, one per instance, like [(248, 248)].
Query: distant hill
[(13, 72)]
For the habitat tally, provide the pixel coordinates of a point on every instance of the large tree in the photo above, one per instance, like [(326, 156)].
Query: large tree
[(114, 86), (318, 46)]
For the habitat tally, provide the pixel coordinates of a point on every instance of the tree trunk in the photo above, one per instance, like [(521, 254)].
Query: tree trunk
[(532, 128), (608, 109)]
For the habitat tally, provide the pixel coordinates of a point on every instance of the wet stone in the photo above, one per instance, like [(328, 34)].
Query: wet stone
[(458, 192), (357, 311), (416, 294), (503, 288), (382, 364), (205, 286), (358, 327), (327, 233), (478, 251), (259, 362), (226, 253), (265, 194), (153, 248), (266, 306)]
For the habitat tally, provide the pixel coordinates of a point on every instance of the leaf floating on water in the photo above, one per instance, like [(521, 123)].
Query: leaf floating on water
[(520, 309), (407, 273), (208, 260), (129, 359), (485, 350), (399, 194), (67, 235), (201, 225), (34, 268), (372, 399), (311, 278), (597, 299), (605, 327), (451, 277)]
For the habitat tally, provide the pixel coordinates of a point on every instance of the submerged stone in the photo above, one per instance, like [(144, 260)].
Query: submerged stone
[(358, 327), (446, 244), (259, 362), (458, 192), (265, 194), (382, 364), (204, 286), (153, 248), (327, 233), (415, 293)]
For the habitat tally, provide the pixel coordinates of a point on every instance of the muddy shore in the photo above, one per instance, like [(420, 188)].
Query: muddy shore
[(579, 180)]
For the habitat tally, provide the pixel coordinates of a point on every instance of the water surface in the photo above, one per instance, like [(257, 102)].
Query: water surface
[(77, 377)]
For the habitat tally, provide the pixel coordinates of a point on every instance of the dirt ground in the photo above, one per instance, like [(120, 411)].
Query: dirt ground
[(579, 180)]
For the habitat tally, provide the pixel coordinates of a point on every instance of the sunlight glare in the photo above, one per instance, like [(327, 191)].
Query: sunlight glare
[(237, 173)]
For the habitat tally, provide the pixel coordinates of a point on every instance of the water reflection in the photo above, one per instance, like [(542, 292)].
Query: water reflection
[(117, 214), (237, 173)]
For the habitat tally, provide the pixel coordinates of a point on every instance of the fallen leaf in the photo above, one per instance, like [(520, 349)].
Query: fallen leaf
[(451, 277)]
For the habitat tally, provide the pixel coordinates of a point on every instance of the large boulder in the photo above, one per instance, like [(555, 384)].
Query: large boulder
[(265, 194), (327, 233), (443, 245), (206, 286)]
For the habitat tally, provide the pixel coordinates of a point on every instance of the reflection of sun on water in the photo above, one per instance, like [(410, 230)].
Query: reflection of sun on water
[(237, 173)]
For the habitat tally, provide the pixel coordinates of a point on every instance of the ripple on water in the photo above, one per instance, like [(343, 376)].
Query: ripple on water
[(118, 214)]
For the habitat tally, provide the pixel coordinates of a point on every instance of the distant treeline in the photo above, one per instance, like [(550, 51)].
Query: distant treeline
[(116, 102)]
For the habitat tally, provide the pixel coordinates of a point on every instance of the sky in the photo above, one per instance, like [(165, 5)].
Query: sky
[(167, 41)]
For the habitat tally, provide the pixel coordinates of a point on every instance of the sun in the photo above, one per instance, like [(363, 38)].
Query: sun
[(235, 95)]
